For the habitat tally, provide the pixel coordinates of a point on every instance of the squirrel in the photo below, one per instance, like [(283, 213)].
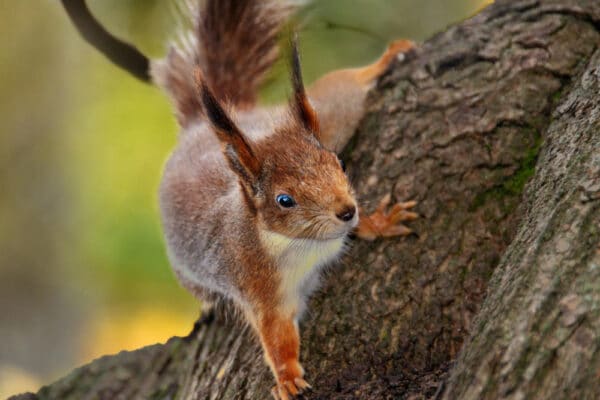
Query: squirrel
[(254, 200)]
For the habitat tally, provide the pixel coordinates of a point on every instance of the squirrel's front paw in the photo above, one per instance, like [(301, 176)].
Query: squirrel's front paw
[(386, 224), (290, 381)]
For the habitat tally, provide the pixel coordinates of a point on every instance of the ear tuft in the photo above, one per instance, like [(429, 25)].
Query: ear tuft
[(236, 148), (216, 115), (301, 105)]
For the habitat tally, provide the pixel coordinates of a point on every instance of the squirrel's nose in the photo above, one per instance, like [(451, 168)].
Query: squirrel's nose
[(347, 213)]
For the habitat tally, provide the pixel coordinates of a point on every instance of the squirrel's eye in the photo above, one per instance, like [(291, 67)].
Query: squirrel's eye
[(285, 201)]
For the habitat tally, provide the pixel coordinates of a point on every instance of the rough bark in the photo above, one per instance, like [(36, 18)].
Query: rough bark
[(537, 334), (457, 126)]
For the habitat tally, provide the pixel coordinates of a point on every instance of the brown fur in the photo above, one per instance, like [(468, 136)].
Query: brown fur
[(217, 211), (174, 75), (238, 45), (299, 166), (227, 234), (235, 44)]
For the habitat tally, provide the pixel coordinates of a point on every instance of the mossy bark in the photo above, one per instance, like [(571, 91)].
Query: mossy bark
[(509, 96), (537, 334)]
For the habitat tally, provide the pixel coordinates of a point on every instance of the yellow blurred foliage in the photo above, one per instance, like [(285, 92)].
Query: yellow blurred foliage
[(15, 380), (110, 333)]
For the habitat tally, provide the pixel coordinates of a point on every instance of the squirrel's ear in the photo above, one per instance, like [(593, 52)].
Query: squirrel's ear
[(236, 147), (300, 104)]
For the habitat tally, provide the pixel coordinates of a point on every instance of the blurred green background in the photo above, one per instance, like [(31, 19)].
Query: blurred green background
[(83, 270)]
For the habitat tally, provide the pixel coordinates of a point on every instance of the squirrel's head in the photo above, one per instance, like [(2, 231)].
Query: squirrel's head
[(294, 185)]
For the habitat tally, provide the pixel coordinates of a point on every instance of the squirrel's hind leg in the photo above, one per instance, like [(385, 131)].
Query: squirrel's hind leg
[(339, 96), (369, 74)]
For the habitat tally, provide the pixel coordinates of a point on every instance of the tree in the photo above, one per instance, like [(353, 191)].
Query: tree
[(494, 127)]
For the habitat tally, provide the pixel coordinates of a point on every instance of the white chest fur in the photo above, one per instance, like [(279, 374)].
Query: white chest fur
[(299, 262)]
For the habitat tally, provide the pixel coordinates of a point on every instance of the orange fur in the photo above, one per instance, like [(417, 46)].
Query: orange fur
[(386, 224), (280, 339), (370, 73)]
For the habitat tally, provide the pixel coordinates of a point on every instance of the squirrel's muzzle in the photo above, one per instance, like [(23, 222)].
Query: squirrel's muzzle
[(347, 213)]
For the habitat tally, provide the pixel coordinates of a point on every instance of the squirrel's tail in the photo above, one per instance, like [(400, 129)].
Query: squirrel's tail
[(234, 44)]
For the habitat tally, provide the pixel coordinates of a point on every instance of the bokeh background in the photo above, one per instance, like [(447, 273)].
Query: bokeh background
[(83, 270)]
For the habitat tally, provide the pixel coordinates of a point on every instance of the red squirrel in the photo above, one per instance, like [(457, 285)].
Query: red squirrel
[(254, 201)]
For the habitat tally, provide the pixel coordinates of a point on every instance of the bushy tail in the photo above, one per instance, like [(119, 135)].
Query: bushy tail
[(234, 44), (238, 44)]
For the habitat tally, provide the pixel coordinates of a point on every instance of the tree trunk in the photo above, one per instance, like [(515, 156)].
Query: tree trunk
[(458, 125)]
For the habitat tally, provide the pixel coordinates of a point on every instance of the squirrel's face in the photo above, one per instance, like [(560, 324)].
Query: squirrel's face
[(304, 191), (294, 185)]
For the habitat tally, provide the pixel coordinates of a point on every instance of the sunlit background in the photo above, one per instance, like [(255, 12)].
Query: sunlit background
[(83, 270)]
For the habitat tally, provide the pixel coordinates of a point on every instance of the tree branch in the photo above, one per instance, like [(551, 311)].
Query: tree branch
[(119, 52)]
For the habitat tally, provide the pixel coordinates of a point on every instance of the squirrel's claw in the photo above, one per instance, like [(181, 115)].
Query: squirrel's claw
[(302, 384), (278, 395), (285, 389), (386, 224), (291, 388), (289, 384), (399, 213)]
